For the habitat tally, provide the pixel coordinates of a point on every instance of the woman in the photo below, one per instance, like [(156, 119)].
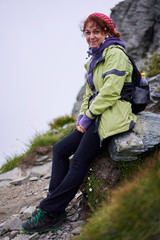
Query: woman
[(103, 113)]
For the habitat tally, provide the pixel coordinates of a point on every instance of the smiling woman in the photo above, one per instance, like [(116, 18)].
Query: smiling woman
[(94, 35), (102, 114), (35, 37)]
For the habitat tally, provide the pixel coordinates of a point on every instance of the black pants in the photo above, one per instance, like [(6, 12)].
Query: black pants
[(66, 179)]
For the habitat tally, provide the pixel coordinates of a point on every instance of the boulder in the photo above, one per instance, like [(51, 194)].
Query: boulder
[(145, 135), (139, 24)]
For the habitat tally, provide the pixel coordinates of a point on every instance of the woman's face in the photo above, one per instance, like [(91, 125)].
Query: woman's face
[(94, 35)]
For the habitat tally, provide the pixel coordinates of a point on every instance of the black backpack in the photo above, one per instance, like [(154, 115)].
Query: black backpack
[(137, 95)]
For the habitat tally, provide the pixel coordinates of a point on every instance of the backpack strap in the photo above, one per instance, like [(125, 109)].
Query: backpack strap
[(136, 75)]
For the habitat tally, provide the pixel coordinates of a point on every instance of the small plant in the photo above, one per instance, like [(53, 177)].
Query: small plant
[(61, 121), (94, 191)]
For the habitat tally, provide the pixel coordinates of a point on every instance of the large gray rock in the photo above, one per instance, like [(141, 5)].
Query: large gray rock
[(139, 24), (145, 135), (78, 102)]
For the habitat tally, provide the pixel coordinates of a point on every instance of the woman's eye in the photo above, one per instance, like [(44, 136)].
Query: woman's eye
[(87, 33), (96, 32)]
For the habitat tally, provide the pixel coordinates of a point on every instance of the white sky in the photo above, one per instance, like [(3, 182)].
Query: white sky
[(42, 54)]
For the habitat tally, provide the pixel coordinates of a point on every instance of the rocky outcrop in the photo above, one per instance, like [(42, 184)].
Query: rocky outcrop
[(139, 24)]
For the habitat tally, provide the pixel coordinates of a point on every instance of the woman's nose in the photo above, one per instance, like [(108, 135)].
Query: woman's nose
[(92, 35)]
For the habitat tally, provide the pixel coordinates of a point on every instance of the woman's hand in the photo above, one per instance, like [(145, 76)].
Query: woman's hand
[(81, 129)]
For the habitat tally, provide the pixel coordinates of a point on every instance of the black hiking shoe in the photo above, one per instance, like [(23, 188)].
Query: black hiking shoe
[(35, 213), (43, 222)]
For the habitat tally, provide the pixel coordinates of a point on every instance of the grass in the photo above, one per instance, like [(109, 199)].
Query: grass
[(47, 139), (128, 169), (134, 211), (11, 162), (61, 121)]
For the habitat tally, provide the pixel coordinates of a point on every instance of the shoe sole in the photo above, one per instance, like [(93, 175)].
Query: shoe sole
[(56, 227)]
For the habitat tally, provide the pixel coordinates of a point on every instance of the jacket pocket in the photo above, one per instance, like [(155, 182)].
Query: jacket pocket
[(116, 118)]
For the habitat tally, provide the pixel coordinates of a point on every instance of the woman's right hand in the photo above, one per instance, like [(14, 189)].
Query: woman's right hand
[(81, 129)]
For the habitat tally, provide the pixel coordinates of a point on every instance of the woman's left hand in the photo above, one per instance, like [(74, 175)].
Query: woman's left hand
[(81, 128)]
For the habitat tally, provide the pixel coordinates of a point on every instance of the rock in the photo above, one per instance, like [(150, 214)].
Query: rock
[(74, 217), (34, 236), (42, 159), (33, 178), (77, 223), (66, 236), (6, 238), (79, 99), (13, 175), (22, 210), (3, 230), (48, 175), (144, 136), (13, 234), (76, 231), (139, 25), (46, 188), (78, 194), (22, 237), (12, 224), (40, 171), (27, 213), (59, 232), (20, 181)]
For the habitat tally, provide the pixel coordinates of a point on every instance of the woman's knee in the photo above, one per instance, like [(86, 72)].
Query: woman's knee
[(57, 147)]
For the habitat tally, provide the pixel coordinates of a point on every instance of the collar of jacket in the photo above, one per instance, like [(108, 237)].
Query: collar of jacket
[(102, 57)]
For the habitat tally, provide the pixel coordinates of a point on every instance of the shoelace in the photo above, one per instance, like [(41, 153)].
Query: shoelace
[(37, 217)]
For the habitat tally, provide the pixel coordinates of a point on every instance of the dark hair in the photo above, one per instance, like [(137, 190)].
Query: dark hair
[(101, 24)]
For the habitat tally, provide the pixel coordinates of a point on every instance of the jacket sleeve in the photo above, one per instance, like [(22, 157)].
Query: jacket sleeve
[(115, 70)]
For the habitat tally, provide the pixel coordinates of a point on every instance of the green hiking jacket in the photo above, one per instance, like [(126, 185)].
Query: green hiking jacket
[(109, 75)]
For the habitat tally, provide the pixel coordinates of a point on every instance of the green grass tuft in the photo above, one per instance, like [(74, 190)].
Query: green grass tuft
[(61, 121), (11, 163)]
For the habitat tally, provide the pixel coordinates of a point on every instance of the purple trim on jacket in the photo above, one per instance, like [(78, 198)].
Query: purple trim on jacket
[(78, 119), (85, 121)]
